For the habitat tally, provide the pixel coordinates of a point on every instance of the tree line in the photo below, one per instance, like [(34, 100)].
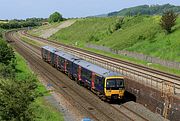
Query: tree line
[(146, 10), (29, 22)]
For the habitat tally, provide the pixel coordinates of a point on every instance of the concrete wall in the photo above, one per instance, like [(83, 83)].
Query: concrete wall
[(147, 58), (153, 99)]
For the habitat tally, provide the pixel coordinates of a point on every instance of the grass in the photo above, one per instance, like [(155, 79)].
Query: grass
[(45, 111), (31, 42), (23, 71), (141, 34), (83, 30)]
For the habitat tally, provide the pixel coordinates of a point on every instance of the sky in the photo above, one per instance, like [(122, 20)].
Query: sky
[(21, 9)]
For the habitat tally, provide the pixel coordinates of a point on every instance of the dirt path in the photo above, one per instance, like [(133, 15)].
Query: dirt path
[(51, 31)]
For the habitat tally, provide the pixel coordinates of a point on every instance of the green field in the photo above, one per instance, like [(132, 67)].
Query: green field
[(44, 110)]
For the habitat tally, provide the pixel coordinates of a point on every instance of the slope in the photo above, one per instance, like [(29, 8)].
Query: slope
[(141, 34)]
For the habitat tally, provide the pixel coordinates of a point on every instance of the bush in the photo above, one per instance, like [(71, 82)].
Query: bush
[(6, 53), (16, 98), (93, 38), (119, 23), (8, 71), (168, 20)]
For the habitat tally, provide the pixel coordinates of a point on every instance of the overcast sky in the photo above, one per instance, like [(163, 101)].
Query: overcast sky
[(20, 9)]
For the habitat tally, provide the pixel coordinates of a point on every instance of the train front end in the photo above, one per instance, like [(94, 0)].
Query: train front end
[(114, 87)]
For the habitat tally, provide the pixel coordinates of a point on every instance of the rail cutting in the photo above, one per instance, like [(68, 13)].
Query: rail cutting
[(38, 55), (144, 75)]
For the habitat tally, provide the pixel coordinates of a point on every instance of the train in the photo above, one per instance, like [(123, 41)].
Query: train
[(108, 85)]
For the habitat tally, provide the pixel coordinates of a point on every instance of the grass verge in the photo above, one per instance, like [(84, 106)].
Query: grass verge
[(45, 111)]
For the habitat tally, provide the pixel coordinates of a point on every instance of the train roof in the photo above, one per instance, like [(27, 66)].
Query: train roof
[(87, 65), (66, 56), (97, 69), (49, 48)]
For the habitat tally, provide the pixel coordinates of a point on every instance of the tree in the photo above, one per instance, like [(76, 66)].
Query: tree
[(119, 23), (55, 17), (168, 20), (17, 98), (6, 53), (8, 71)]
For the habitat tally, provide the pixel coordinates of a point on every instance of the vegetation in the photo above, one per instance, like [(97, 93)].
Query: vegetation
[(86, 30), (142, 34), (168, 20), (7, 61), (46, 112), (19, 90), (29, 22), (55, 17), (146, 10), (6, 53), (41, 108), (16, 97)]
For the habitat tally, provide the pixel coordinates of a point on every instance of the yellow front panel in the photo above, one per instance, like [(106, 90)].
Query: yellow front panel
[(113, 92), (108, 93)]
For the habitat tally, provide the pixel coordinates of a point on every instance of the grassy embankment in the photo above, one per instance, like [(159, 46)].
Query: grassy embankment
[(37, 31), (141, 34), (45, 111)]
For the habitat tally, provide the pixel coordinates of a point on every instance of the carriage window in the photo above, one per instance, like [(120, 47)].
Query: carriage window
[(83, 73), (89, 75)]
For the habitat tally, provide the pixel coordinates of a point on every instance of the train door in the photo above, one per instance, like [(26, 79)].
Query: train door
[(49, 56), (52, 58), (75, 71), (79, 73), (56, 60), (65, 65), (92, 81)]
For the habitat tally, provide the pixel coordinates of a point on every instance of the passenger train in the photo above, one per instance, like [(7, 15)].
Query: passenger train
[(105, 83)]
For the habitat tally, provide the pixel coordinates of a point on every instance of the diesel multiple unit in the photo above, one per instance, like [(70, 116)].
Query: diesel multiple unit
[(105, 83)]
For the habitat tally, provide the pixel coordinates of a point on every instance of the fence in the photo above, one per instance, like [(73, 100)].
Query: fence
[(169, 64)]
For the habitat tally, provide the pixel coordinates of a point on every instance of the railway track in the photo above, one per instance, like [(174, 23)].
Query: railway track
[(133, 71), (93, 107)]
